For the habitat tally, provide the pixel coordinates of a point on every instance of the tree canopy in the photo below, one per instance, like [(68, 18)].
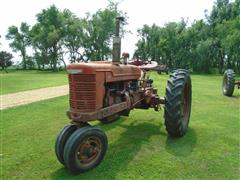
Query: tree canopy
[(59, 34), (5, 60), (209, 44), (206, 45), (19, 40)]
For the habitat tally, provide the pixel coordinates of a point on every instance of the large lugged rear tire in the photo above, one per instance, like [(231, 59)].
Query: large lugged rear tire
[(85, 149), (178, 103), (228, 82)]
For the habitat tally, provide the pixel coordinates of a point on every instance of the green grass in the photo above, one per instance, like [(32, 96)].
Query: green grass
[(139, 147), (15, 81)]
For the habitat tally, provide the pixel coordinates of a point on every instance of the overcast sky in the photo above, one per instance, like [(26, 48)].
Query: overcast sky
[(140, 12)]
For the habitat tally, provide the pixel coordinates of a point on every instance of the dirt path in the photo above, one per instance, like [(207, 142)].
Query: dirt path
[(26, 97)]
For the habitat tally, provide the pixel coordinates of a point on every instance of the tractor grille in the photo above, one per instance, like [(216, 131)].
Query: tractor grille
[(82, 92)]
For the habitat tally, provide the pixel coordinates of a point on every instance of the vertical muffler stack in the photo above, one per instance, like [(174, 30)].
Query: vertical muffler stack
[(116, 53)]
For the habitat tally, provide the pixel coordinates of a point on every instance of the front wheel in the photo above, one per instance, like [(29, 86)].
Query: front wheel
[(61, 140), (85, 149), (178, 102)]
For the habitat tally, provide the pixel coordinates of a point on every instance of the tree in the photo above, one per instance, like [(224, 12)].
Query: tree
[(204, 46), (162, 44), (229, 40), (222, 12), (73, 36), (41, 50), (5, 60), (47, 35), (98, 31), (148, 45), (19, 40)]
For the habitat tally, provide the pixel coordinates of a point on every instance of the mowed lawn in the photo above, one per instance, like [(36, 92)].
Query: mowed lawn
[(139, 147), (15, 81)]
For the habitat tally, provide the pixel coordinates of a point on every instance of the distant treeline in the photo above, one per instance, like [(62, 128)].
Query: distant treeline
[(212, 44), (58, 34)]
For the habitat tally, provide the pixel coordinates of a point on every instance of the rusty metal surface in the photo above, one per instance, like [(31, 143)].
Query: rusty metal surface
[(87, 89), (136, 62), (186, 103), (82, 92), (89, 150), (105, 112), (145, 98), (113, 72)]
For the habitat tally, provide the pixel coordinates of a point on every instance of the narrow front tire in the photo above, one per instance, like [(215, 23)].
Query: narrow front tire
[(85, 149), (61, 140)]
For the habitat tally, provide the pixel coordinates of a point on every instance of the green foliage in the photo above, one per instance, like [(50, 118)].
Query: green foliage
[(100, 28), (73, 36), (47, 34), (5, 60), (203, 46), (59, 33), (229, 40), (19, 40)]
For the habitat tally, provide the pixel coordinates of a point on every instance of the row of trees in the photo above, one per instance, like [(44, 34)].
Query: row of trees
[(213, 43), (209, 44), (58, 34)]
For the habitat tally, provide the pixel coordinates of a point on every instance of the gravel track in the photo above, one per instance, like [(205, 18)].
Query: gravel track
[(26, 97)]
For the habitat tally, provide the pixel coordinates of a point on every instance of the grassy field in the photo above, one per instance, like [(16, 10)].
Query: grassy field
[(15, 81), (139, 147)]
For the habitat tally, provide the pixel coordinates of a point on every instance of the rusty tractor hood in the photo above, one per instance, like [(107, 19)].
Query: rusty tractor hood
[(101, 66)]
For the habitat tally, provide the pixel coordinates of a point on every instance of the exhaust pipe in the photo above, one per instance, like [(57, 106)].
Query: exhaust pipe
[(116, 52)]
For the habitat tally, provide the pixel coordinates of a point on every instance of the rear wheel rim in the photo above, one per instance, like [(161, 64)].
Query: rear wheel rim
[(185, 104)]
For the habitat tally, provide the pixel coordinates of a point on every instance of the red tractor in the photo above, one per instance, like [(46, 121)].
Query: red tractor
[(106, 90)]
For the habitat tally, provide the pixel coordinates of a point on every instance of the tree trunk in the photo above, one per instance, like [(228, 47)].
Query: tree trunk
[(24, 59), (221, 61), (62, 59), (55, 57)]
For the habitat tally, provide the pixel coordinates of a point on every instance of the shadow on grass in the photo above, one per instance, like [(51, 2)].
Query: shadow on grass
[(122, 151), (182, 146), (119, 154), (235, 96)]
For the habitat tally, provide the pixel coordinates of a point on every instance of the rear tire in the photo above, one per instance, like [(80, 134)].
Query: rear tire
[(85, 149), (178, 102), (61, 140), (228, 82)]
